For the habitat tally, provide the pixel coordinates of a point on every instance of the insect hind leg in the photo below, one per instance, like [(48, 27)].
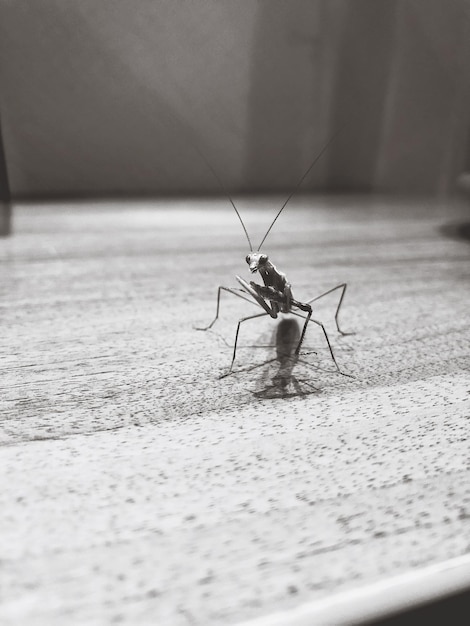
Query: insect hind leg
[(309, 318), (307, 309), (343, 287)]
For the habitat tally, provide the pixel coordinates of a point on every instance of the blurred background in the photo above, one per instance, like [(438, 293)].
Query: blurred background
[(121, 98)]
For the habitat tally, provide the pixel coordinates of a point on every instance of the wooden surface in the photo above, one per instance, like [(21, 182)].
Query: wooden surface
[(139, 488)]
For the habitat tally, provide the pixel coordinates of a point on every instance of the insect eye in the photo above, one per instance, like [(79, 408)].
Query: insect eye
[(248, 259), (263, 259)]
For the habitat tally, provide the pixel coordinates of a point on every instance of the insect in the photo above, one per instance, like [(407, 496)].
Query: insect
[(275, 295), (282, 382)]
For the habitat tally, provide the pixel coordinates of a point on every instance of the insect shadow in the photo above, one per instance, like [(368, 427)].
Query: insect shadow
[(278, 379)]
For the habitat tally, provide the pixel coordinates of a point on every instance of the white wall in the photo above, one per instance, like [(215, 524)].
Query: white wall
[(101, 97)]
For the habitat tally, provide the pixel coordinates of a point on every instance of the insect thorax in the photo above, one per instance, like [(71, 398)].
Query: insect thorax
[(272, 277)]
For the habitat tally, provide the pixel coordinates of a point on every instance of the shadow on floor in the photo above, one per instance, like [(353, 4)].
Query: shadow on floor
[(459, 231)]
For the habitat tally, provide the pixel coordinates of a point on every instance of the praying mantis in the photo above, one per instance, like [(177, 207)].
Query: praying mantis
[(275, 295)]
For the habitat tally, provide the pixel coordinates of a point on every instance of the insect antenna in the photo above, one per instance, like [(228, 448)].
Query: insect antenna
[(194, 144), (227, 195), (317, 158)]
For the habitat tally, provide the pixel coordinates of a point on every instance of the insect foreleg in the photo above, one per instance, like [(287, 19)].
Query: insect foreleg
[(310, 319), (258, 293), (343, 288), (235, 292)]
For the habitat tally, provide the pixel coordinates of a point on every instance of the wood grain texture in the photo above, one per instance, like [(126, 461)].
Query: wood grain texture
[(139, 488)]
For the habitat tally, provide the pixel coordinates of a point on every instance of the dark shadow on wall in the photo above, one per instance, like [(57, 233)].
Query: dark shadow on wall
[(5, 206), (350, 45), (284, 116), (429, 99), (359, 97), (403, 79), (396, 78)]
